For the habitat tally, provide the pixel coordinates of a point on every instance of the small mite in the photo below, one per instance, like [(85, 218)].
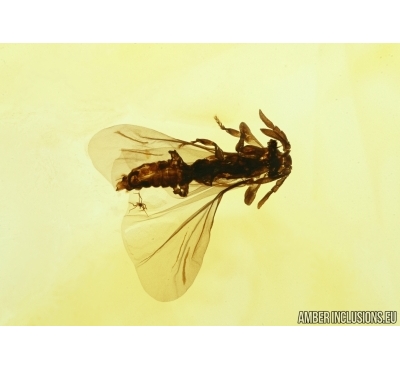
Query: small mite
[(139, 205)]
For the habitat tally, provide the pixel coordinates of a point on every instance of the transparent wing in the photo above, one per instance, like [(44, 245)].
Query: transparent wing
[(116, 150), (166, 237), (168, 246)]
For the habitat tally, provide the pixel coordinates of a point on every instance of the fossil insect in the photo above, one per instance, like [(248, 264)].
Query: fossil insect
[(167, 241), (139, 205)]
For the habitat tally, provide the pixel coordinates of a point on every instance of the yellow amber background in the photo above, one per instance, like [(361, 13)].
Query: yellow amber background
[(328, 240)]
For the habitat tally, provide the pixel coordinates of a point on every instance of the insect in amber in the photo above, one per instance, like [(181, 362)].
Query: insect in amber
[(167, 239)]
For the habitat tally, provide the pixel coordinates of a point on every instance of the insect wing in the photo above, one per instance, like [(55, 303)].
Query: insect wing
[(168, 246), (116, 150), (168, 238)]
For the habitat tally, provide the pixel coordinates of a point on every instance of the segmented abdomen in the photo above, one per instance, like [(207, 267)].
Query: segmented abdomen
[(162, 173)]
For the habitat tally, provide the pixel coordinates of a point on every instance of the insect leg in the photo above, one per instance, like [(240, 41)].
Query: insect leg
[(181, 190), (274, 131), (250, 193), (176, 158), (218, 151), (244, 132), (273, 190), (230, 131), (140, 199), (143, 208), (134, 205), (240, 145)]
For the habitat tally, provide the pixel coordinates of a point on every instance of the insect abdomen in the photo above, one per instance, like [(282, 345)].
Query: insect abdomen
[(162, 173)]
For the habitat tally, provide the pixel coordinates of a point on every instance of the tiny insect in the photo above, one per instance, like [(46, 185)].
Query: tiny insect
[(139, 204), (167, 237)]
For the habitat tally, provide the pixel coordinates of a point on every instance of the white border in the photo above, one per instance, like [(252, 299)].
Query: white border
[(205, 21)]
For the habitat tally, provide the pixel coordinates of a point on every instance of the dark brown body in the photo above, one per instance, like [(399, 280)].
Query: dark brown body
[(250, 162), (168, 237)]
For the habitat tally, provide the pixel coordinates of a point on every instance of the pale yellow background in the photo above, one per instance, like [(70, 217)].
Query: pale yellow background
[(328, 240)]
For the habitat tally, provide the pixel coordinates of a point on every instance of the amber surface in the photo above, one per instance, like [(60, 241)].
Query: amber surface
[(328, 240)]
